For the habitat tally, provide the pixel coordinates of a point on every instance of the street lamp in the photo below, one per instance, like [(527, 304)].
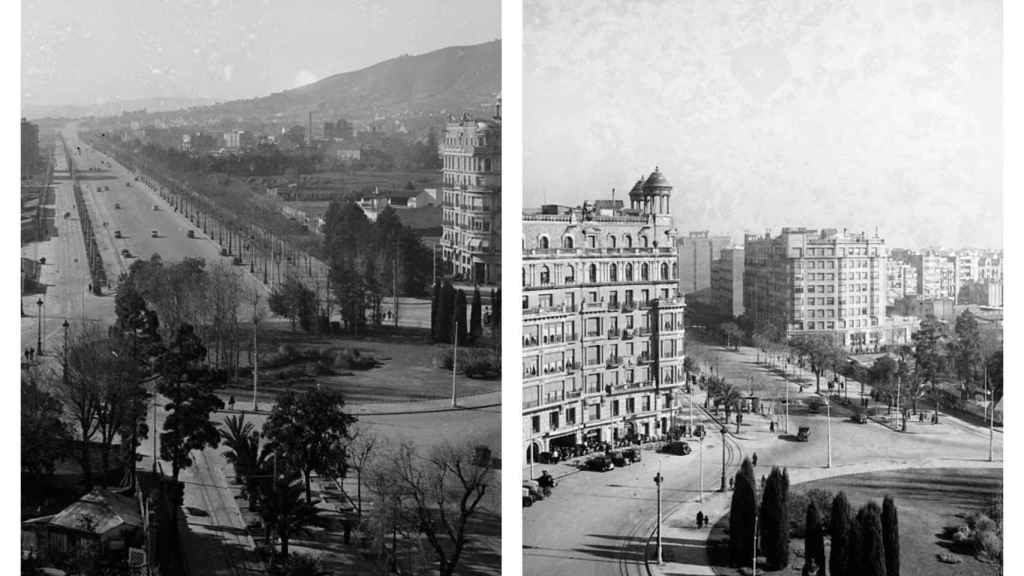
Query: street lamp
[(39, 332), (255, 364), (828, 427), (658, 479), (723, 431), (455, 358), (65, 325), (700, 469)]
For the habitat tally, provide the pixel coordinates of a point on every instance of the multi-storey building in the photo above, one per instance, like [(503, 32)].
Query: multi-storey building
[(602, 321), (902, 280), (990, 267), (696, 253), (936, 275), (471, 198), (29, 147), (806, 282), (727, 283)]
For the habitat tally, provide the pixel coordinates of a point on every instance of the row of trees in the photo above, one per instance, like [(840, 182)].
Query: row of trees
[(429, 498), (448, 314), (863, 545), (372, 260)]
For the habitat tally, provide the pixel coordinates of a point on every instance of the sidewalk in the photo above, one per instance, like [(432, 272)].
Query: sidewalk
[(685, 549), (475, 402)]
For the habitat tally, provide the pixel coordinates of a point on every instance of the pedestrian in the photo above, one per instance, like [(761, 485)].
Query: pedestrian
[(771, 426), (763, 482), (231, 402), (700, 519), (706, 519), (731, 482), (753, 460)]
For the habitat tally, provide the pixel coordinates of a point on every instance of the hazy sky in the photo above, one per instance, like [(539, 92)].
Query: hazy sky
[(855, 114), (84, 52)]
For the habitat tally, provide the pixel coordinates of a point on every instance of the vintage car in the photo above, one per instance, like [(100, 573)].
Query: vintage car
[(599, 464), (678, 448), (803, 434)]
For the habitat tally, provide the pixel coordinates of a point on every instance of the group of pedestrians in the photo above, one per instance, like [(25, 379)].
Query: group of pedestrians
[(30, 354)]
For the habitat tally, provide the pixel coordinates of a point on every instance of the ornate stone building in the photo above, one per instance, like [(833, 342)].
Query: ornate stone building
[(471, 198), (602, 320)]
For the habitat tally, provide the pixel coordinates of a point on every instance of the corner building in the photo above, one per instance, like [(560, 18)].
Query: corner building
[(828, 283), (602, 321), (471, 198)]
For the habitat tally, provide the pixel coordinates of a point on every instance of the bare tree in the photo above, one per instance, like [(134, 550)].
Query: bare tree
[(361, 450), (443, 492)]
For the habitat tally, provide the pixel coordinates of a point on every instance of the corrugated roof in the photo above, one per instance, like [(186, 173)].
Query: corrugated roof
[(99, 512)]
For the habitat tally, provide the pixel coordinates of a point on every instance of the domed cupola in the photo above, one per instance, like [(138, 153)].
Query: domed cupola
[(651, 196)]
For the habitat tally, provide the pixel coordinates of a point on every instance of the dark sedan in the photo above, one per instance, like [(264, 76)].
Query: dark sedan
[(599, 464), (678, 448)]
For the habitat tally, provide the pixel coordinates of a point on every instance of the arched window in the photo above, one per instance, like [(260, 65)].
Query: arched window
[(628, 241), (567, 242), (613, 273), (524, 278), (593, 273), (643, 241), (675, 270), (542, 242), (611, 241), (629, 271), (664, 271), (545, 275), (570, 274), (645, 272)]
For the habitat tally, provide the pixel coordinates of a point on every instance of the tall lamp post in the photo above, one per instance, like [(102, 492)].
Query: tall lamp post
[(455, 358), (828, 427), (66, 326), (255, 364), (39, 331), (723, 431), (658, 479), (700, 469)]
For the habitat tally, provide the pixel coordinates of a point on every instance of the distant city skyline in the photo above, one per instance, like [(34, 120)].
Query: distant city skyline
[(90, 53), (818, 114)]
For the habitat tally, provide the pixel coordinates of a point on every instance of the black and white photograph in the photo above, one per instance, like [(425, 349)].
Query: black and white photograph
[(260, 287), (762, 271)]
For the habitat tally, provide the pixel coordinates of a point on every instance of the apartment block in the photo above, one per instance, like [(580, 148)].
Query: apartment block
[(697, 251), (471, 198), (727, 282), (810, 282), (602, 321)]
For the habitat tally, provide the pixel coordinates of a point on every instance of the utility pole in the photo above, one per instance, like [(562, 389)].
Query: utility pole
[(828, 426), (700, 469), (753, 565), (455, 358), (991, 415), (39, 332), (723, 458), (255, 365), (658, 479)]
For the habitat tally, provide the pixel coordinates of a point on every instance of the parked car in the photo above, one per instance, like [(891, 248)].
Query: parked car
[(632, 454), (117, 234), (803, 434), (678, 448), (117, 205), (619, 459), (533, 488), (599, 464), (156, 208), (814, 406), (191, 234), (126, 253), (527, 497), (860, 418), (155, 234)]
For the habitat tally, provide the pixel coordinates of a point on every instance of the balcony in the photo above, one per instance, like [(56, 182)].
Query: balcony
[(593, 307), (627, 334), (613, 362), (628, 306), (643, 359), (613, 333)]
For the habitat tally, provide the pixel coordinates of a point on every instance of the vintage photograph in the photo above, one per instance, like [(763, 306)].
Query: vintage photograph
[(762, 279), (261, 287)]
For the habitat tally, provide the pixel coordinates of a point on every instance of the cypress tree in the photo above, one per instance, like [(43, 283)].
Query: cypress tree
[(434, 303), (872, 548), (854, 548), (814, 542), (496, 309), (476, 326), (445, 309), (460, 315), (891, 536), (774, 523), (741, 515), (839, 529)]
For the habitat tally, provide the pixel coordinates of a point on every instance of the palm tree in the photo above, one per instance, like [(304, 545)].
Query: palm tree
[(243, 441), (729, 396), (285, 511)]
